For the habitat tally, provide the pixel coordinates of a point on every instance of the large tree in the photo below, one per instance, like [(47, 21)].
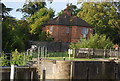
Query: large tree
[(37, 20), (15, 35), (31, 7), (103, 17), (14, 32), (5, 11), (36, 15)]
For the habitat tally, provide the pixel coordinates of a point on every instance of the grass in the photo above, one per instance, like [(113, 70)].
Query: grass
[(57, 54), (60, 55), (73, 59)]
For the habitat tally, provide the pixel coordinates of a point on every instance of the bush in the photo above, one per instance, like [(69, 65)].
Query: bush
[(4, 61), (19, 58), (96, 41)]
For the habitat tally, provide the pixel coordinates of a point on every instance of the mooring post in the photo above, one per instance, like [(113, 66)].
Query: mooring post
[(44, 75), (71, 71), (12, 72), (87, 77)]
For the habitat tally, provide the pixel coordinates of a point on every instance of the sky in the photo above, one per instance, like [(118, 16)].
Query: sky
[(57, 5)]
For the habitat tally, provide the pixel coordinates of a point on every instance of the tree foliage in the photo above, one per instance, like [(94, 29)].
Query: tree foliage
[(37, 20), (14, 34), (103, 17), (5, 11), (19, 58), (30, 8), (36, 15), (4, 61), (96, 41), (17, 33)]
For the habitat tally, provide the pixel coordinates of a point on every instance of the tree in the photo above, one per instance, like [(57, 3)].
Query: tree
[(14, 33), (7, 24), (37, 20), (96, 41), (22, 31), (5, 11), (103, 17), (36, 15), (31, 7)]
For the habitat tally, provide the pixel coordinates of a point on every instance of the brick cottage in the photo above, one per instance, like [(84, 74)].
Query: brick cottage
[(68, 27)]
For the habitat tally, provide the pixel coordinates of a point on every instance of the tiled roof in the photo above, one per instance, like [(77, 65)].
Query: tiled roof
[(68, 20)]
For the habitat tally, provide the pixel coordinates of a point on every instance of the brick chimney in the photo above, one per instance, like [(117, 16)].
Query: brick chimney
[(68, 10)]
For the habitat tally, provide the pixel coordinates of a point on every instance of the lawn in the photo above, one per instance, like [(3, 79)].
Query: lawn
[(73, 59), (61, 55)]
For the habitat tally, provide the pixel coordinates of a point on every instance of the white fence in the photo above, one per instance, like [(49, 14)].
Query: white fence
[(90, 52)]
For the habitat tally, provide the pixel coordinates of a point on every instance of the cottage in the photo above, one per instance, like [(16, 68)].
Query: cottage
[(68, 28)]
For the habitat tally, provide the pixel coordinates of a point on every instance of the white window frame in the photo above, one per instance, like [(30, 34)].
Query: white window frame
[(84, 31)]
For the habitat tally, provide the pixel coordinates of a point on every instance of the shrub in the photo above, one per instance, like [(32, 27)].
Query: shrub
[(96, 41), (19, 58), (4, 61)]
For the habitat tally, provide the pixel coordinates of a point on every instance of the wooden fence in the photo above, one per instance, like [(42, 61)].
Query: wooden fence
[(90, 52)]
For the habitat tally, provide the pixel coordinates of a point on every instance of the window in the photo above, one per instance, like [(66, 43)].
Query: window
[(84, 32), (67, 29), (51, 29)]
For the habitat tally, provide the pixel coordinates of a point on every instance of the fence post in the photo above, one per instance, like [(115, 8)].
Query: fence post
[(38, 55), (45, 52), (104, 53), (73, 52), (12, 72)]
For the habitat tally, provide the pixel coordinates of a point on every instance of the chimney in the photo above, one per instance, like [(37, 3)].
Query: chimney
[(68, 10)]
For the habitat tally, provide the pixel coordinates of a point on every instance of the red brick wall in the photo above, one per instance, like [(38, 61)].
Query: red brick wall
[(59, 33)]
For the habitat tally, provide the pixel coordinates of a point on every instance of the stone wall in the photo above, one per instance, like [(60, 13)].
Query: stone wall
[(56, 70), (81, 70)]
